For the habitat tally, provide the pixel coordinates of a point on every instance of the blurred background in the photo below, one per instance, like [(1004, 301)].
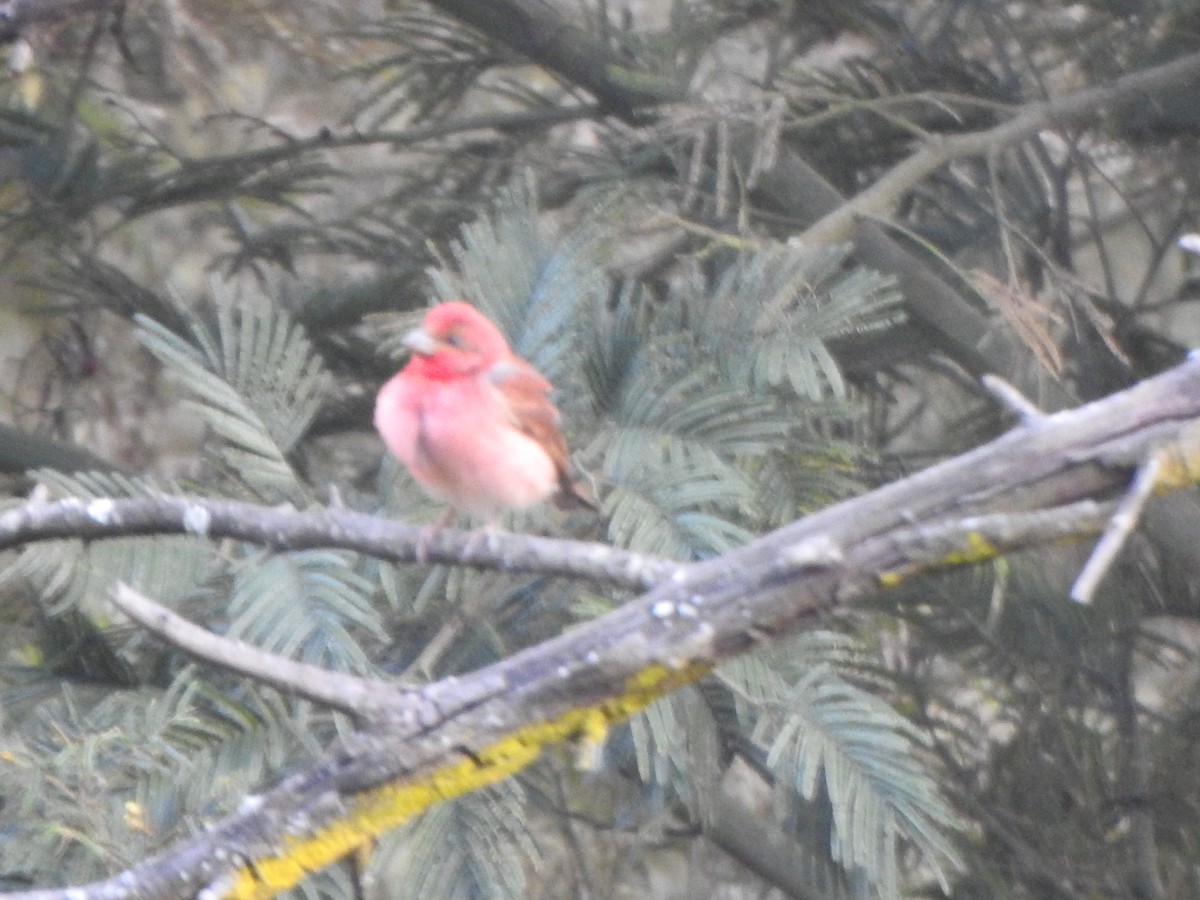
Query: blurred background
[(215, 221)]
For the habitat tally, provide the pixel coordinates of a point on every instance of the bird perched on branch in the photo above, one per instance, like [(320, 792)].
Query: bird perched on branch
[(473, 421)]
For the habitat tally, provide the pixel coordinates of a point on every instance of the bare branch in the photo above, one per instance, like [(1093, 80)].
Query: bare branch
[(1120, 527), (1060, 112), (1054, 476), (285, 528), (363, 697), (1011, 398)]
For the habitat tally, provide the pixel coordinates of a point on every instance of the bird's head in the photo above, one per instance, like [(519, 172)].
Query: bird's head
[(456, 339)]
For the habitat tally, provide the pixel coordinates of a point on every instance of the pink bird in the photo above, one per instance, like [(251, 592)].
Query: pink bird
[(472, 420)]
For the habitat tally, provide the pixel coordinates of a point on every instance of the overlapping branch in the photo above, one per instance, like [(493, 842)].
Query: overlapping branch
[(793, 187), (1061, 112), (1052, 477)]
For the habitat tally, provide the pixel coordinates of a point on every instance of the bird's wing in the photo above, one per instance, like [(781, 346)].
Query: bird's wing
[(526, 396)]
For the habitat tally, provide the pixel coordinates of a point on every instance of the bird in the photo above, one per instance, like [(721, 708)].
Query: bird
[(473, 422)]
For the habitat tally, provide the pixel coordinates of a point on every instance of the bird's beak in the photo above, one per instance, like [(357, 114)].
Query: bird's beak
[(419, 341)]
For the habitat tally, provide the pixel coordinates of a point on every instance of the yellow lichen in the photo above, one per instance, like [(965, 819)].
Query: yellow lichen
[(1180, 461), (977, 548), (388, 806)]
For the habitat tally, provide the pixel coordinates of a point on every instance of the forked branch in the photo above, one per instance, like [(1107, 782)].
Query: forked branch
[(1053, 477)]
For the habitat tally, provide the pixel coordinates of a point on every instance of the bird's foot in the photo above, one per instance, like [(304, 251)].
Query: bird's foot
[(485, 539), (430, 533), (425, 541)]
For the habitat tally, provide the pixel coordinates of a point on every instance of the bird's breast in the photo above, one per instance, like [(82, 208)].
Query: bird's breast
[(464, 449)]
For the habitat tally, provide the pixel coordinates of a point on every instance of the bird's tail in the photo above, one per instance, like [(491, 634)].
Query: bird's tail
[(576, 492)]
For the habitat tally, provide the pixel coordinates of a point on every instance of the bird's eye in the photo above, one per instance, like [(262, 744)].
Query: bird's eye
[(455, 340)]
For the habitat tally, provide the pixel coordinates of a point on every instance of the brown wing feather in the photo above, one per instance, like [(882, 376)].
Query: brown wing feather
[(527, 395)]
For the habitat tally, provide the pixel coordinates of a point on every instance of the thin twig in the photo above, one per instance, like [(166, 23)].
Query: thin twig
[(1058, 112), (1120, 526), (361, 697), (1011, 398)]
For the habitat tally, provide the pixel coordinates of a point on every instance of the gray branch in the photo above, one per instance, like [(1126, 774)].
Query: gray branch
[(1053, 476), (284, 528)]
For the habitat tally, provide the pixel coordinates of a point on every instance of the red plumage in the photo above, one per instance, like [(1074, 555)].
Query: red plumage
[(471, 420)]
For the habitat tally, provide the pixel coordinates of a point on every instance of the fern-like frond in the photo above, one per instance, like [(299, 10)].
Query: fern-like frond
[(761, 679), (305, 605), (806, 475), (477, 846), (429, 64), (220, 713), (768, 318), (830, 738), (677, 743), (673, 455), (615, 350), (95, 781), (533, 283), (659, 514), (74, 575), (257, 382), (697, 408)]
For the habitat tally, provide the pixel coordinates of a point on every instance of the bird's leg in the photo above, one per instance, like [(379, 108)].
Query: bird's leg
[(485, 538), (430, 532)]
